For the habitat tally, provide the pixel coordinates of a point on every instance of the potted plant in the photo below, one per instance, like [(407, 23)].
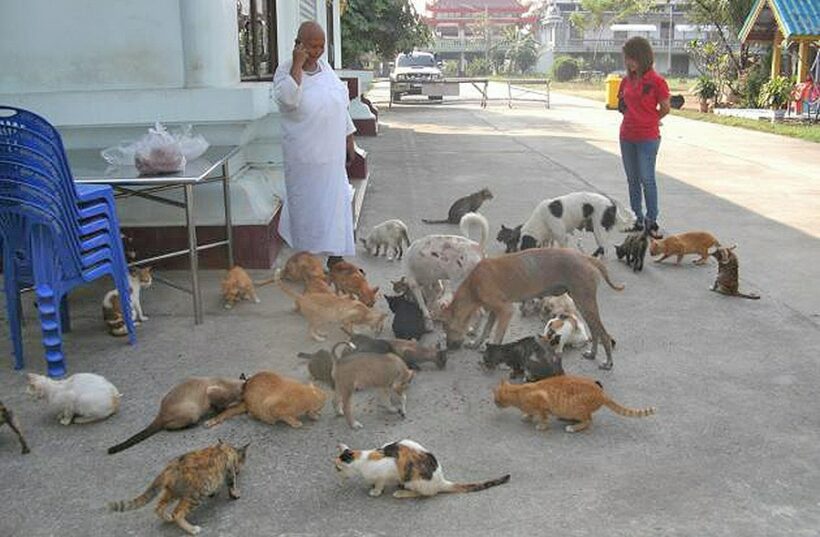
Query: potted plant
[(704, 89), (775, 94)]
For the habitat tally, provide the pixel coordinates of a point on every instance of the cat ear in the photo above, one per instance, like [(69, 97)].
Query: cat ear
[(732, 247), (220, 442), (518, 227), (342, 447), (376, 290)]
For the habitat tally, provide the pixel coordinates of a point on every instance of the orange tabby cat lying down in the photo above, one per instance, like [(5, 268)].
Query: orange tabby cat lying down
[(693, 242), (565, 396), (322, 310), (269, 397)]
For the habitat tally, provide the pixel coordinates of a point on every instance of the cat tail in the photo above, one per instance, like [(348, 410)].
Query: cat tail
[(749, 296), (275, 278), (628, 412), (475, 219), (149, 431), (474, 487), (139, 501), (115, 322), (602, 269), (405, 237), (426, 221)]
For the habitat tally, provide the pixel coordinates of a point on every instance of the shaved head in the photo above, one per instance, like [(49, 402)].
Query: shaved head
[(310, 30)]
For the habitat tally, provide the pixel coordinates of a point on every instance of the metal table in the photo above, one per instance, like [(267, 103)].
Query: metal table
[(88, 167)]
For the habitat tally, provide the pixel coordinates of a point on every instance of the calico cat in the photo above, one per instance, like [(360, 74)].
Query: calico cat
[(407, 464), (727, 281), (634, 249), (693, 242), (462, 206), (390, 235), (565, 331), (7, 417), (186, 404), (81, 398), (510, 236), (565, 397), (526, 357), (349, 279), (238, 285), (322, 309), (138, 279), (269, 398), (408, 320), (191, 478)]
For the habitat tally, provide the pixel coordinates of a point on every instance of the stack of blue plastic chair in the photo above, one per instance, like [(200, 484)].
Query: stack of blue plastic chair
[(55, 235)]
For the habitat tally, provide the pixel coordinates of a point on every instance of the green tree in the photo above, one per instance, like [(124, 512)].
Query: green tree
[(727, 17), (598, 15), (520, 49), (380, 27)]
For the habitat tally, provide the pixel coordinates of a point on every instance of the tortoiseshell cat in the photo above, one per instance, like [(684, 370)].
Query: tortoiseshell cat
[(138, 279), (566, 397), (526, 357), (8, 418), (728, 275), (405, 463), (462, 206), (190, 479)]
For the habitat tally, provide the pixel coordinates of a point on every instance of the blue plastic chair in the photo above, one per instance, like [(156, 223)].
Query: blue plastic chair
[(54, 236)]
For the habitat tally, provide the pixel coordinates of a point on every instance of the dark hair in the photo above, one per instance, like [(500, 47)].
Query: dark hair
[(638, 48)]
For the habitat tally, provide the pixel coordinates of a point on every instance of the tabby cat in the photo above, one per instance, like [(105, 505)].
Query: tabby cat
[(462, 206), (190, 479), (8, 418), (139, 278), (727, 279), (566, 397)]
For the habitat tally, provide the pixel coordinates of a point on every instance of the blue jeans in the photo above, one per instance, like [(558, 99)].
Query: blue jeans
[(639, 165)]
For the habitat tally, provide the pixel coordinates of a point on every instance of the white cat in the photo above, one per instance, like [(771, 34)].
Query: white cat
[(565, 330), (138, 279), (392, 235), (81, 398)]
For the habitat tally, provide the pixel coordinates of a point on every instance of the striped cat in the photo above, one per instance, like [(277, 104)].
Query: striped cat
[(405, 463), (566, 397), (139, 278), (190, 479)]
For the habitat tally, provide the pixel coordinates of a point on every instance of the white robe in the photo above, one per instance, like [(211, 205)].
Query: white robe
[(317, 212)]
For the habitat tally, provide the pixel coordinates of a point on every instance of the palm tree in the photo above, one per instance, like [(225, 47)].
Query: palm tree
[(520, 48)]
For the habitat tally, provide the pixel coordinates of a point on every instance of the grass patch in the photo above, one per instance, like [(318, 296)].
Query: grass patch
[(803, 131)]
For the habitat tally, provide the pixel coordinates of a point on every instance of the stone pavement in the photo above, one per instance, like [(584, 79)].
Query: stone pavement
[(731, 451)]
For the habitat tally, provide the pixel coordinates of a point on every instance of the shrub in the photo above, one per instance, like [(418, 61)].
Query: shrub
[(565, 69), (479, 67)]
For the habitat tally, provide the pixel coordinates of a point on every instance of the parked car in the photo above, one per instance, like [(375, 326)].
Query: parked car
[(410, 70)]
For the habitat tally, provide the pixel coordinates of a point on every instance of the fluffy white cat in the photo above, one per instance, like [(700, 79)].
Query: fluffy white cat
[(81, 398)]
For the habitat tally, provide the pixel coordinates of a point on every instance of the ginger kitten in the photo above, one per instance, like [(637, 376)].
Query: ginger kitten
[(692, 242), (349, 279), (565, 397), (191, 478), (269, 398), (237, 285)]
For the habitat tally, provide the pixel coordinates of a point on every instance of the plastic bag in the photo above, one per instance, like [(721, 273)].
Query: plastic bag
[(158, 151)]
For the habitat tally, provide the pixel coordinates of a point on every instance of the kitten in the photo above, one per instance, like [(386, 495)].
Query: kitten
[(565, 330), (349, 279), (510, 236), (186, 404), (693, 242), (138, 279), (269, 398), (406, 464), (81, 398), (322, 309), (565, 397), (408, 320), (237, 285), (7, 417), (634, 249), (392, 235), (525, 357), (727, 281), (191, 478), (462, 206), (558, 305)]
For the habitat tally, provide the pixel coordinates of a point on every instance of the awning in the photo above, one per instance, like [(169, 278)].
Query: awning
[(694, 28), (633, 28)]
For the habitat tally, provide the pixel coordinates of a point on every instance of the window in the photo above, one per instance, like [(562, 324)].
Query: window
[(258, 47), (330, 46), (307, 10)]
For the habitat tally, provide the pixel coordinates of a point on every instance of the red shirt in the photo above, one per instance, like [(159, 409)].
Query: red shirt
[(641, 96)]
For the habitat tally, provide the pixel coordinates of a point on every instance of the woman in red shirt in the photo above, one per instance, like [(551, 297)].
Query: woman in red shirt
[(643, 99)]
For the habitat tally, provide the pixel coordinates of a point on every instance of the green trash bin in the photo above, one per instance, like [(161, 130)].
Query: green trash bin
[(612, 83)]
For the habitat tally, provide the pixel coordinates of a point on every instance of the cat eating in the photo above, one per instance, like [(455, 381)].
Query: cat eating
[(692, 242), (238, 285), (526, 357), (404, 463), (634, 249), (190, 479), (510, 237), (390, 235), (7, 417), (138, 279), (408, 320), (349, 279), (565, 331), (81, 398)]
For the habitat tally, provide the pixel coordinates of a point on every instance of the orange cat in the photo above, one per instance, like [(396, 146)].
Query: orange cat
[(693, 242), (322, 310), (237, 285), (565, 396), (349, 279), (302, 266), (269, 397)]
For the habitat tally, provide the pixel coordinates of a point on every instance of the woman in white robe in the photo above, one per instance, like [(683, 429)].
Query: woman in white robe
[(317, 143)]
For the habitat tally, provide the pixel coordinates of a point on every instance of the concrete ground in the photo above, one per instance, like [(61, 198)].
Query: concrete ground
[(731, 451)]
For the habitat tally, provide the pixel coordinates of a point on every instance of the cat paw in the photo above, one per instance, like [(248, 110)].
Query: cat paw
[(210, 423), (195, 530), (234, 494), (228, 306), (144, 318), (375, 492), (356, 425), (541, 427), (256, 300), (589, 355), (606, 366), (66, 420)]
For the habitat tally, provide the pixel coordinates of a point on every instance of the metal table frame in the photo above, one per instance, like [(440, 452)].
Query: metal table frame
[(482, 86), (127, 183)]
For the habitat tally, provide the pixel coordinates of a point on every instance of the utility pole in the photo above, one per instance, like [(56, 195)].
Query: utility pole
[(671, 34)]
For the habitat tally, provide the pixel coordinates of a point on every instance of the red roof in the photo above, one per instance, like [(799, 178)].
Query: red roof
[(461, 6)]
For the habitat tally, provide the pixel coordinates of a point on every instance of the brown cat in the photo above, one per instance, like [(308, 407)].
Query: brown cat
[(322, 310), (727, 278), (186, 404), (565, 396), (462, 206), (692, 242), (269, 397), (8, 418), (349, 279), (190, 479), (302, 266), (237, 285)]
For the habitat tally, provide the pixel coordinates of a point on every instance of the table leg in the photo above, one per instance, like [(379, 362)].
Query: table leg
[(509, 95), (226, 190), (192, 252)]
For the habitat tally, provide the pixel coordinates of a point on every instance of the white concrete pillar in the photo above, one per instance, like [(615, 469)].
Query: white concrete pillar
[(210, 43)]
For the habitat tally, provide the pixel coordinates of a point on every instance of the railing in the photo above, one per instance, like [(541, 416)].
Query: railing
[(466, 44), (614, 45)]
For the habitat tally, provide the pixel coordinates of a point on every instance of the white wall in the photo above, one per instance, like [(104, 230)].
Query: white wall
[(68, 45)]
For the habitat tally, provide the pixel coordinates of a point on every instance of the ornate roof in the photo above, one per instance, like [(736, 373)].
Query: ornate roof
[(796, 19), (476, 5)]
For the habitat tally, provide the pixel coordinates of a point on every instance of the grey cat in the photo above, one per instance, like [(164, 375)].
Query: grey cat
[(462, 206)]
